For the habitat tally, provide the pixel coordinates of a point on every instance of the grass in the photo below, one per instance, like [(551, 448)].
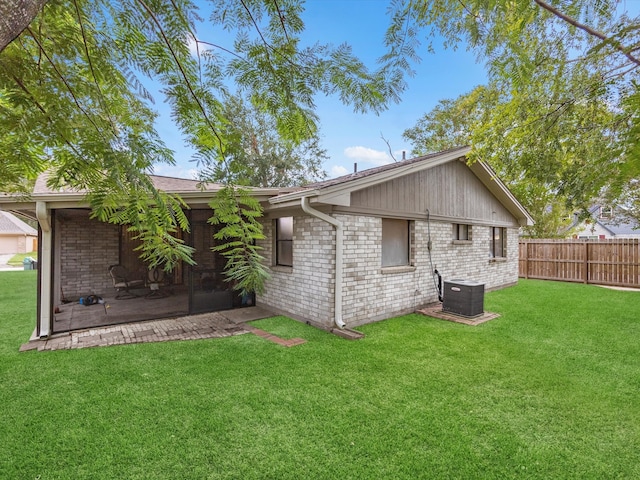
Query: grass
[(17, 259), (549, 390)]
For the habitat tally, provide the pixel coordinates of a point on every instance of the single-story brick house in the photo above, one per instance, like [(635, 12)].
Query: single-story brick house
[(345, 252), (16, 236)]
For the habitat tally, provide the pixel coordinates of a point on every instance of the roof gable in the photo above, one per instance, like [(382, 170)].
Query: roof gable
[(446, 191), (12, 225), (339, 191)]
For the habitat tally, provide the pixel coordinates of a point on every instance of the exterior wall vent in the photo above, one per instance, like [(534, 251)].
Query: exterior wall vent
[(463, 297)]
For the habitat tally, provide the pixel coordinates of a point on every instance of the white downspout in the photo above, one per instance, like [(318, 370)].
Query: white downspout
[(44, 264), (304, 203)]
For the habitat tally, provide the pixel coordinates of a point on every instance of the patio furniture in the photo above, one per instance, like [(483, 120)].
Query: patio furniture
[(123, 282), (155, 280)]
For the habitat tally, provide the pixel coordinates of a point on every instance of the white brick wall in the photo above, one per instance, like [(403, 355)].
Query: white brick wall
[(306, 291)]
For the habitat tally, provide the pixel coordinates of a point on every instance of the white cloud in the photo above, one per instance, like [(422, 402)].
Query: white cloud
[(338, 171), (175, 171), (194, 47), (369, 155), (398, 154)]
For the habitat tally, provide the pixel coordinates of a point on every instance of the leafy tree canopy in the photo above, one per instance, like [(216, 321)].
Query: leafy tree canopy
[(559, 118), (72, 99), (257, 156)]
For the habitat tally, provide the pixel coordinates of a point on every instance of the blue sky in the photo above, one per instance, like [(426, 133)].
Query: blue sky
[(349, 137)]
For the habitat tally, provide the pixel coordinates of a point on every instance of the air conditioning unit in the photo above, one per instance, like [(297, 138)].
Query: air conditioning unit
[(463, 297)]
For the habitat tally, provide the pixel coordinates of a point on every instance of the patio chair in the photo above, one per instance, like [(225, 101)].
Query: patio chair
[(123, 282), (156, 280)]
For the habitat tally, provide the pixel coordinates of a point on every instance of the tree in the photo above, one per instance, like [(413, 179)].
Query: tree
[(15, 17), (71, 99), (463, 121), (256, 155), (566, 88)]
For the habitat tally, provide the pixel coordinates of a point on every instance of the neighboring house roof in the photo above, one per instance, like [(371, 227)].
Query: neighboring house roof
[(611, 225), (12, 225), (622, 228), (337, 190)]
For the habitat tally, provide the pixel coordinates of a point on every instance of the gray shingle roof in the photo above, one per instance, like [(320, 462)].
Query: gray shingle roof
[(615, 225), (372, 171), (167, 184), (12, 225)]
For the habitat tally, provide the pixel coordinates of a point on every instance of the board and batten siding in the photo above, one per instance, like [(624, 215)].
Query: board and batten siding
[(450, 191)]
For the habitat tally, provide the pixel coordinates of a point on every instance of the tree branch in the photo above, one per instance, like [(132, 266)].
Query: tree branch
[(219, 47), (617, 45), (45, 113), (93, 73), (182, 71), (15, 17), (66, 83), (281, 17), (255, 24), (388, 146)]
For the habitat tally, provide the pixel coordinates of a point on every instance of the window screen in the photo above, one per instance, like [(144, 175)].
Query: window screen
[(461, 231), (284, 241), (498, 242), (395, 242)]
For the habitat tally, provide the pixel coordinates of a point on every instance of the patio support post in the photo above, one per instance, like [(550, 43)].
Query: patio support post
[(304, 203), (44, 264)]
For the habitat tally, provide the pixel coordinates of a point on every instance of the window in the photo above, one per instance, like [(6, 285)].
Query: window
[(461, 231), (395, 242), (284, 241), (606, 212), (498, 242)]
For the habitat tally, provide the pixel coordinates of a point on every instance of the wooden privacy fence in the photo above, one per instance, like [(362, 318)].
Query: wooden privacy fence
[(604, 262)]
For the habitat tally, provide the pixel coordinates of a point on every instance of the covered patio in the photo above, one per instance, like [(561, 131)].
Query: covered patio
[(76, 316), (76, 255), (90, 258)]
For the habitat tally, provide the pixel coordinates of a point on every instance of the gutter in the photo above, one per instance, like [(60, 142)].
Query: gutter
[(43, 216), (304, 203)]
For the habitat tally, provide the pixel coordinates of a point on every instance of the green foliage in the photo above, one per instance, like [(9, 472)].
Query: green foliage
[(257, 155), (72, 101), (154, 216), (237, 212), (70, 110), (560, 110), (514, 153), (451, 122)]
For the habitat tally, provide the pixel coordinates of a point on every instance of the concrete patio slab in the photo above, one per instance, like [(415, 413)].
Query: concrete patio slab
[(435, 311)]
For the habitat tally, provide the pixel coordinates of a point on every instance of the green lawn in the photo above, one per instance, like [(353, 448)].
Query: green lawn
[(17, 259), (549, 390)]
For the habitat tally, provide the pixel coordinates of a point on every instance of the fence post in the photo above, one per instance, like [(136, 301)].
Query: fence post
[(586, 261), (526, 259)]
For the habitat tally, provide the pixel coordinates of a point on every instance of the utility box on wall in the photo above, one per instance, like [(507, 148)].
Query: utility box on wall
[(463, 297)]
